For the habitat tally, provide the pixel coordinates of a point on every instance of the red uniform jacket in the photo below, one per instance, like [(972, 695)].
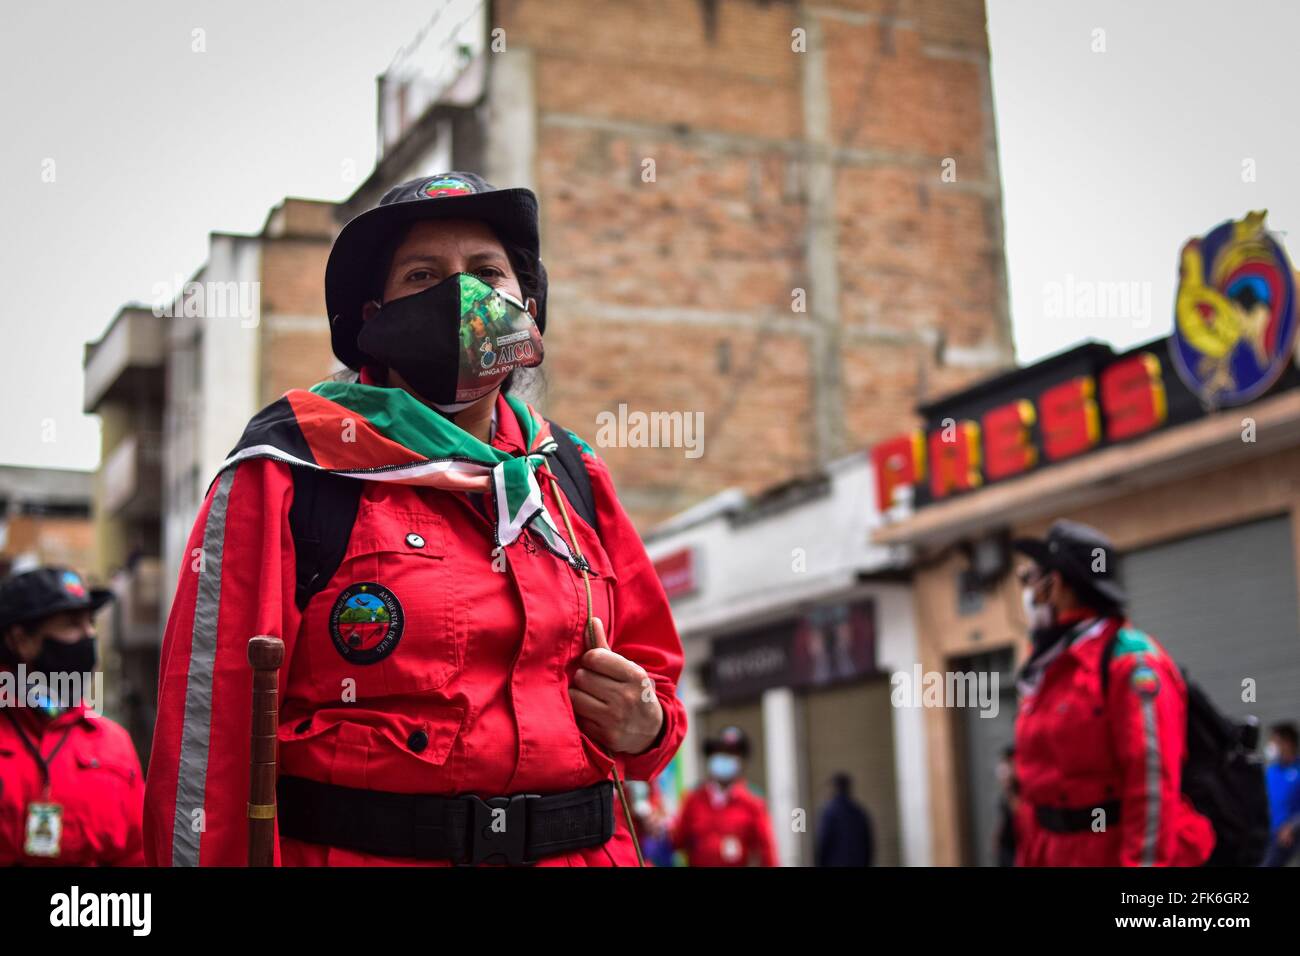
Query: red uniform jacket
[(1075, 750), (94, 776), (472, 698), (724, 827)]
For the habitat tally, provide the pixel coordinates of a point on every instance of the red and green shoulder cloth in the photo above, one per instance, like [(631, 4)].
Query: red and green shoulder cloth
[(386, 434)]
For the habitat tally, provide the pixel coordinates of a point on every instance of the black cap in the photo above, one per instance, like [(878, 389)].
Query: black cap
[(1084, 556), (35, 594), (730, 740), (353, 262)]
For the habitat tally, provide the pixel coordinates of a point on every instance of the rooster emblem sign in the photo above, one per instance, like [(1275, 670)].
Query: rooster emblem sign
[(1235, 317)]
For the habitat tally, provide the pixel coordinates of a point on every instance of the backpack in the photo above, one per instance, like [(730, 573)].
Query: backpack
[(325, 509), (1222, 776)]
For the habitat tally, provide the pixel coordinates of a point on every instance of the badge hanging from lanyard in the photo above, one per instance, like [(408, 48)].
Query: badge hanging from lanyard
[(44, 827)]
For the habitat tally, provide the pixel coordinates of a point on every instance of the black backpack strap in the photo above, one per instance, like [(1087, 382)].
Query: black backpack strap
[(321, 517), (575, 481)]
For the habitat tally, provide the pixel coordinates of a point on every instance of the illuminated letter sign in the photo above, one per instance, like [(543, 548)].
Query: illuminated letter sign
[(1008, 445), (954, 458), (1133, 394), (898, 462), (1071, 423)]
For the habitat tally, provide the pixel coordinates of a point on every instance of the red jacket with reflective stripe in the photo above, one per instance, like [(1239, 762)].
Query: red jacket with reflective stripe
[(733, 832), (470, 696), (1075, 750), (94, 776)]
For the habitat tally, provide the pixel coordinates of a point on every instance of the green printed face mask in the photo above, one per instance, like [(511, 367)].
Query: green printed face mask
[(455, 341)]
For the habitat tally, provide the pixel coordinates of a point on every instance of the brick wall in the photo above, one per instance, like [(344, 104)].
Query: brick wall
[(295, 343), (676, 295)]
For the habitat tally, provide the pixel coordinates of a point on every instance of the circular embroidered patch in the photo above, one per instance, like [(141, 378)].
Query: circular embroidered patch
[(1145, 681), (446, 186), (366, 622)]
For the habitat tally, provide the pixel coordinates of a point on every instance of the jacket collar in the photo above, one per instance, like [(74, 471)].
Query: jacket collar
[(509, 437)]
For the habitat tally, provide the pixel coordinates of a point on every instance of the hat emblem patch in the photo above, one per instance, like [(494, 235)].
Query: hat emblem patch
[(445, 186), (72, 584)]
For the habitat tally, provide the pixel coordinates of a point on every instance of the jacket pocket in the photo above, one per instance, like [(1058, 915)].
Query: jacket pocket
[(96, 808), (373, 750), (119, 770), (388, 622)]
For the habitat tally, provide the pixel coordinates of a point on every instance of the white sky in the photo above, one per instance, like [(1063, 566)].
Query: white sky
[(1109, 160)]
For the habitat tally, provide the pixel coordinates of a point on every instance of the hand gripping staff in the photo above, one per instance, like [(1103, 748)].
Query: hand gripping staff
[(591, 642)]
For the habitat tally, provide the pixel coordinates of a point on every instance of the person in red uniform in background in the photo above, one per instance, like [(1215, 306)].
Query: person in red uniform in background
[(71, 790), (1099, 776), (442, 702), (722, 822)]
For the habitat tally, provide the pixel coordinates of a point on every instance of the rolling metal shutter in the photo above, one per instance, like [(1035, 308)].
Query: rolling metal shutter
[(1224, 605)]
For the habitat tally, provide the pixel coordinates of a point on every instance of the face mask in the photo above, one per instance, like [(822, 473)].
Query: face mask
[(724, 767), (1272, 754), (1038, 615), (59, 657), (455, 341)]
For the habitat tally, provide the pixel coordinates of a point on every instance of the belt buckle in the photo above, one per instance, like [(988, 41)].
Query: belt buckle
[(493, 835)]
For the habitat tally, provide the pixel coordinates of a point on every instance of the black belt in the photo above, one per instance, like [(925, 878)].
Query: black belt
[(463, 829), (1075, 819)]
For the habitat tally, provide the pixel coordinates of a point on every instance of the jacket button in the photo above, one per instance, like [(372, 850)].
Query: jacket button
[(303, 727), (414, 540), (417, 741)]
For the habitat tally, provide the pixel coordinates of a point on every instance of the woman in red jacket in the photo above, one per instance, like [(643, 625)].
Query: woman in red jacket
[(470, 666)]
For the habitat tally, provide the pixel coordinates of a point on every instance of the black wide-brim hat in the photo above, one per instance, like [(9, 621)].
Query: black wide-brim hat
[(1073, 549), (353, 265), (39, 593)]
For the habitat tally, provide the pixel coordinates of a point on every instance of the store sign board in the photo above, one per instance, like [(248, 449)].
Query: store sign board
[(828, 645), (677, 573), (1234, 341)]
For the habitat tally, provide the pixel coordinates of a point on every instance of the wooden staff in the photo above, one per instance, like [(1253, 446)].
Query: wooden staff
[(264, 656)]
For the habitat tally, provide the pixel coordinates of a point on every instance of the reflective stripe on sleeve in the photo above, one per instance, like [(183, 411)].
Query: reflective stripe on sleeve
[(192, 773), (1151, 837)]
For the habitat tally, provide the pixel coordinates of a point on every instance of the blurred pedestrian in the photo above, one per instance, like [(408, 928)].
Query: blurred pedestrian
[(845, 836), (71, 790), (652, 821), (1101, 734), (1004, 837), (1283, 777), (722, 822)]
